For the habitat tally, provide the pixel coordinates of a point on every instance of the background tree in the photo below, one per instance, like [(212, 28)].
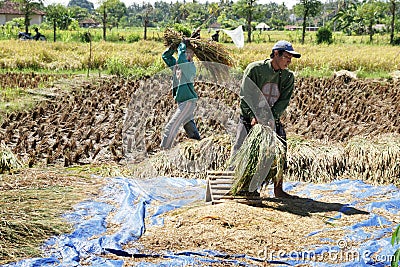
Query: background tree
[(347, 18), (307, 9), (161, 13), (147, 10), (27, 7), (116, 10), (276, 16), (214, 10), (198, 15), (392, 8), (110, 11), (371, 13), (246, 9), (54, 16), (79, 13), (82, 4)]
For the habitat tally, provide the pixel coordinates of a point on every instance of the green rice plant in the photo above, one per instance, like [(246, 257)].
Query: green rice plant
[(132, 38), (116, 66), (396, 240)]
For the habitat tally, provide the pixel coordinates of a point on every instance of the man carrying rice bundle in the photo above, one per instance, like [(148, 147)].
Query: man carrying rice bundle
[(184, 72), (276, 83)]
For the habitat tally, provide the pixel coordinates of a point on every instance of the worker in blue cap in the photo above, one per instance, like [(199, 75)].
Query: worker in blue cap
[(276, 83)]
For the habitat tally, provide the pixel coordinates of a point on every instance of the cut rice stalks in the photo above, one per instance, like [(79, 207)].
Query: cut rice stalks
[(8, 161), (205, 50), (259, 159)]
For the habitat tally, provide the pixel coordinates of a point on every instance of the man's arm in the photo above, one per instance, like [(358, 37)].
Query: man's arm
[(246, 92), (168, 58)]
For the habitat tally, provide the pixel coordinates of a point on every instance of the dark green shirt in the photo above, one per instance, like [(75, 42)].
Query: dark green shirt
[(276, 86)]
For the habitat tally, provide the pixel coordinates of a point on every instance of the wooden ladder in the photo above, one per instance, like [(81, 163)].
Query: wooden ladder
[(219, 184)]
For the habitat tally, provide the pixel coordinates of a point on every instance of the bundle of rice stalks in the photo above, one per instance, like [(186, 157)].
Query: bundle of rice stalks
[(8, 161), (191, 159), (261, 151), (314, 161), (376, 160), (205, 50)]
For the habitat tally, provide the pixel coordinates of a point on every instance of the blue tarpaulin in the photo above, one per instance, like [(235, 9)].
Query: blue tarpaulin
[(126, 202)]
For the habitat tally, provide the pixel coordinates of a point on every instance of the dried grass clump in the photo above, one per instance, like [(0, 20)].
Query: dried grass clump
[(375, 160), (205, 50), (313, 161), (8, 161), (189, 159), (260, 151), (32, 202)]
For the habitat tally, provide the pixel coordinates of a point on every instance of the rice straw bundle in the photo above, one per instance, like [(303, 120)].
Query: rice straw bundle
[(205, 50), (8, 161), (189, 159), (374, 159), (261, 151), (314, 161)]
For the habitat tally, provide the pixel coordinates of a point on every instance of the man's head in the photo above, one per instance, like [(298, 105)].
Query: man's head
[(189, 54), (285, 46), (282, 54)]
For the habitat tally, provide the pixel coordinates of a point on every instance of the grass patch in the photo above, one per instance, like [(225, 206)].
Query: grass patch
[(32, 202), (312, 72), (14, 99), (373, 75)]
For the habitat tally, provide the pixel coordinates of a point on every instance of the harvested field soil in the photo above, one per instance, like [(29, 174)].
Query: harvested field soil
[(119, 120)]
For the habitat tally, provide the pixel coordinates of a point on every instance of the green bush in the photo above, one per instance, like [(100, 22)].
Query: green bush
[(324, 35), (133, 38), (396, 40), (116, 66), (183, 29)]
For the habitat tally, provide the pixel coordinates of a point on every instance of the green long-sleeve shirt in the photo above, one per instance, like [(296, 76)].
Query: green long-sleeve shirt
[(276, 86), (184, 74)]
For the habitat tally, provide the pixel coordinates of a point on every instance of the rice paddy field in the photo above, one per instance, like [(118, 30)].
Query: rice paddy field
[(67, 114)]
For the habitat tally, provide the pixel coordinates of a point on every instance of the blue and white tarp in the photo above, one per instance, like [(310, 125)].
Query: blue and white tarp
[(104, 225)]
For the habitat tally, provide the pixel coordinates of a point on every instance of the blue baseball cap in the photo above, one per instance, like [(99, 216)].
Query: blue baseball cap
[(287, 47)]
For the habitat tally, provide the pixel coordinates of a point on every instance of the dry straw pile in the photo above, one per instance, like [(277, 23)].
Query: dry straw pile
[(8, 161), (376, 160)]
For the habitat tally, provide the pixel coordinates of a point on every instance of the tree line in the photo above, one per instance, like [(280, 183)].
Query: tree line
[(350, 16)]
